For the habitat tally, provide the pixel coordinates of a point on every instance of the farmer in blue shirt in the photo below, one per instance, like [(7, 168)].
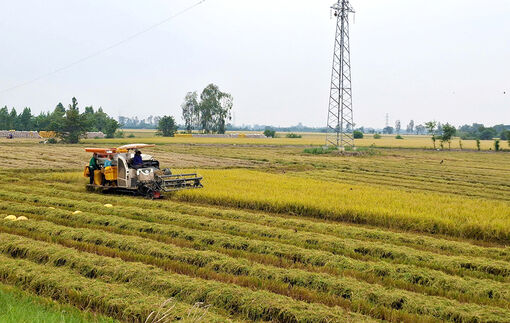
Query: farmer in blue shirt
[(108, 162), (137, 160)]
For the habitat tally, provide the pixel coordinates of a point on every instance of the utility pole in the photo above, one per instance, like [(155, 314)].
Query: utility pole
[(340, 116)]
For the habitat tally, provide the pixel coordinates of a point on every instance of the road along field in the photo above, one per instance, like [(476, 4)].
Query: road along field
[(276, 235)]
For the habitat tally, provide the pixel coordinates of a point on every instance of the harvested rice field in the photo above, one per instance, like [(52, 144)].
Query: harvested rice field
[(388, 235)]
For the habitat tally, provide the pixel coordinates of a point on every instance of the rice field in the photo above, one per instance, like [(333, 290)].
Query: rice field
[(397, 235), (308, 139)]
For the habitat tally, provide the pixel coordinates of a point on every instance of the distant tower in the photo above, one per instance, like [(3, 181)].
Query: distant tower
[(340, 117)]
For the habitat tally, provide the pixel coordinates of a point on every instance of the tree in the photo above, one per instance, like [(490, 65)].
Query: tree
[(72, 125), (487, 133), (398, 126), (167, 126), (388, 130), (190, 111), (420, 129), (110, 128), (42, 121), (431, 128), (4, 118), (214, 109), (57, 117), (358, 134), (410, 127), (13, 118), (497, 146), (25, 120), (448, 133), (269, 133)]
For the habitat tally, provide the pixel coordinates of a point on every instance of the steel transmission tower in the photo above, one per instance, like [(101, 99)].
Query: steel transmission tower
[(340, 117)]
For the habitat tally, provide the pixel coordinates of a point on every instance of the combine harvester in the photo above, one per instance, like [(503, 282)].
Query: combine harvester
[(146, 179)]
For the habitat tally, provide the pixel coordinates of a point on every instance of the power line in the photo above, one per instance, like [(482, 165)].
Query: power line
[(103, 50)]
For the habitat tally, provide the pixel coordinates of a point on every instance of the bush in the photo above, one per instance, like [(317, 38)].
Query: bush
[(319, 150), (119, 134), (377, 136), (399, 137), (358, 134), (293, 135), (131, 135), (269, 133), (497, 146)]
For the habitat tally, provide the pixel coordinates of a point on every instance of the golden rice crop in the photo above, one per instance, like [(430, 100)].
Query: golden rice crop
[(425, 212)]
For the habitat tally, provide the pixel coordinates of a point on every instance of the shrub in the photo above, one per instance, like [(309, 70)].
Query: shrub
[(399, 137), (358, 134), (497, 146), (377, 136), (132, 135), (319, 150), (293, 135), (119, 134)]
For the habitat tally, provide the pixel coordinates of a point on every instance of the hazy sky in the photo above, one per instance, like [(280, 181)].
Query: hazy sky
[(422, 59)]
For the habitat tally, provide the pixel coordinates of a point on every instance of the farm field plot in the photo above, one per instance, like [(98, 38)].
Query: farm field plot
[(276, 235), (307, 139)]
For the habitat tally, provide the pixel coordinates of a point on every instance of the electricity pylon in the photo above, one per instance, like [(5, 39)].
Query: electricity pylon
[(340, 117)]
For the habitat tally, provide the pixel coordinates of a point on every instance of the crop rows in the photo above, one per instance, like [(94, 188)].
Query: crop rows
[(246, 265), (447, 264), (418, 242), (461, 265), (112, 299), (349, 289), (354, 248), (112, 219), (248, 304)]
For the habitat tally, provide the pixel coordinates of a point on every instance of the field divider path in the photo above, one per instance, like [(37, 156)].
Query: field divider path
[(237, 301), (351, 248), (403, 276)]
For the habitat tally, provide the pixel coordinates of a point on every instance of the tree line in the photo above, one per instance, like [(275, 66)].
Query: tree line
[(68, 123)]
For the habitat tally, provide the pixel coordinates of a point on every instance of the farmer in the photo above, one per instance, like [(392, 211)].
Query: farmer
[(137, 160), (107, 163), (92, 167)]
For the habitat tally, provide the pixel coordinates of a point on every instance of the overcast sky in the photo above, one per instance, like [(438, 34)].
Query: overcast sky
[(447, 60)]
